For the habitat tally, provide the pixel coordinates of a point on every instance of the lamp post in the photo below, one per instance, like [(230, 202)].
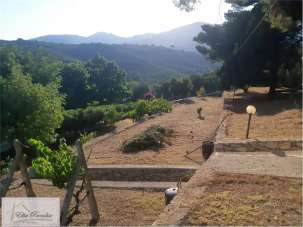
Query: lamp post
[(250, 110)]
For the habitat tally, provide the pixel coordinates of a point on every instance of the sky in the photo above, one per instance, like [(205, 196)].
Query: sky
[(32, 18)]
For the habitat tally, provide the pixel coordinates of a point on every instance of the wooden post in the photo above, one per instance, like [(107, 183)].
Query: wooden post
[(69, 193), (19, 161), (22, 165), (88, 185), (81, 163)]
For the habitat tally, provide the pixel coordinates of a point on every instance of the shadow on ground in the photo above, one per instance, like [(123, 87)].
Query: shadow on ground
[(282, 101)]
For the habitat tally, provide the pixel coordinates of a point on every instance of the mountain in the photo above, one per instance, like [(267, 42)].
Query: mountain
[(143, 62), (180, 38)]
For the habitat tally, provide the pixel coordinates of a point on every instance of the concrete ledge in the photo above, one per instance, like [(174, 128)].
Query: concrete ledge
[(254, 145)]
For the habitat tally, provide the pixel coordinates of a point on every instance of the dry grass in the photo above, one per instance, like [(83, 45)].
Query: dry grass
[(235, 199), (117, 207), (279, 118), (189, 134)]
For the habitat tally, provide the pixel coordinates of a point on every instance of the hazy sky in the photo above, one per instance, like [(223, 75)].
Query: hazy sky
[(31, 18)]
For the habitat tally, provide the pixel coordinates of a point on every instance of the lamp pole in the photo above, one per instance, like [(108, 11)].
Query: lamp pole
[(248, 125), (250, 110)]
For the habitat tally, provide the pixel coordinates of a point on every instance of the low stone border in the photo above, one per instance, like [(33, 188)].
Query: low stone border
[(254, 145), (147, 173), (141, 173)]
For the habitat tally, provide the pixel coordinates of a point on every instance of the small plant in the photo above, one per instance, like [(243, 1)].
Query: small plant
[(199, 112), (54, 165), (153, 137), (149, 107), (85, 137), (201, 92)]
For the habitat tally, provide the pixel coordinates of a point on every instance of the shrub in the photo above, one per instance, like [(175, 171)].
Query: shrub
[(85, 137), (153, 137), (99, 118), (143, 107), (159, 106), (201, 92), (54, 165)]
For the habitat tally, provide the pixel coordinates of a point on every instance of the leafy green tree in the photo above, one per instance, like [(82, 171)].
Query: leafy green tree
[(74, 84), (8, 58), (197, 82), (42, 67), (185, 87), (139, 90), (29, 110), (107, 81), (163, 90)]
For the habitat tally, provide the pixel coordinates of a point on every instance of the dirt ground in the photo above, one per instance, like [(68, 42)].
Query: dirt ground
[(189, 134), (238, 199), (117, 207), (276, 118)]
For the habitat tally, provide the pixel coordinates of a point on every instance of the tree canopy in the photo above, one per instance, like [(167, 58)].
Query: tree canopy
[(258, 45), (28, 109)]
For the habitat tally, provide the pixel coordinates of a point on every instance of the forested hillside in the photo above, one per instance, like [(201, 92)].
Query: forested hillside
[(147, 63), (46, 98)]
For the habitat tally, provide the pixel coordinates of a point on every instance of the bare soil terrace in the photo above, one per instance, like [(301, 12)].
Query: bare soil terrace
[(277, 118), (189, 132), (117, 207)]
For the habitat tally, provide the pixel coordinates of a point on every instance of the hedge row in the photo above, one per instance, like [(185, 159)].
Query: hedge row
[(96, 118)]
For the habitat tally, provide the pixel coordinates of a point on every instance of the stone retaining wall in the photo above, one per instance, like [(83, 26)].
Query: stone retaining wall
[(140, 173), (252, 145)]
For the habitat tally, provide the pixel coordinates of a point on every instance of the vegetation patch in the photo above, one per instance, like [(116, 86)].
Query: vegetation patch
[(152, 138), (54, 165)]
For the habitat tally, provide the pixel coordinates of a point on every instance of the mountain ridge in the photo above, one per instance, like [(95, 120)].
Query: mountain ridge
[(180, 38)]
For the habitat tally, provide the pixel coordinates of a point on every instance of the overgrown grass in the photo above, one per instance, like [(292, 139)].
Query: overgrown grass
[(152, 138)]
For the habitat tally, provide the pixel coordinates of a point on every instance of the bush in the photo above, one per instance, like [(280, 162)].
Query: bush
[(159, 106), (102, 117), (28, 109), (153, 137), (54, 165), (143, 107), (201, 92), (85, 137)]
